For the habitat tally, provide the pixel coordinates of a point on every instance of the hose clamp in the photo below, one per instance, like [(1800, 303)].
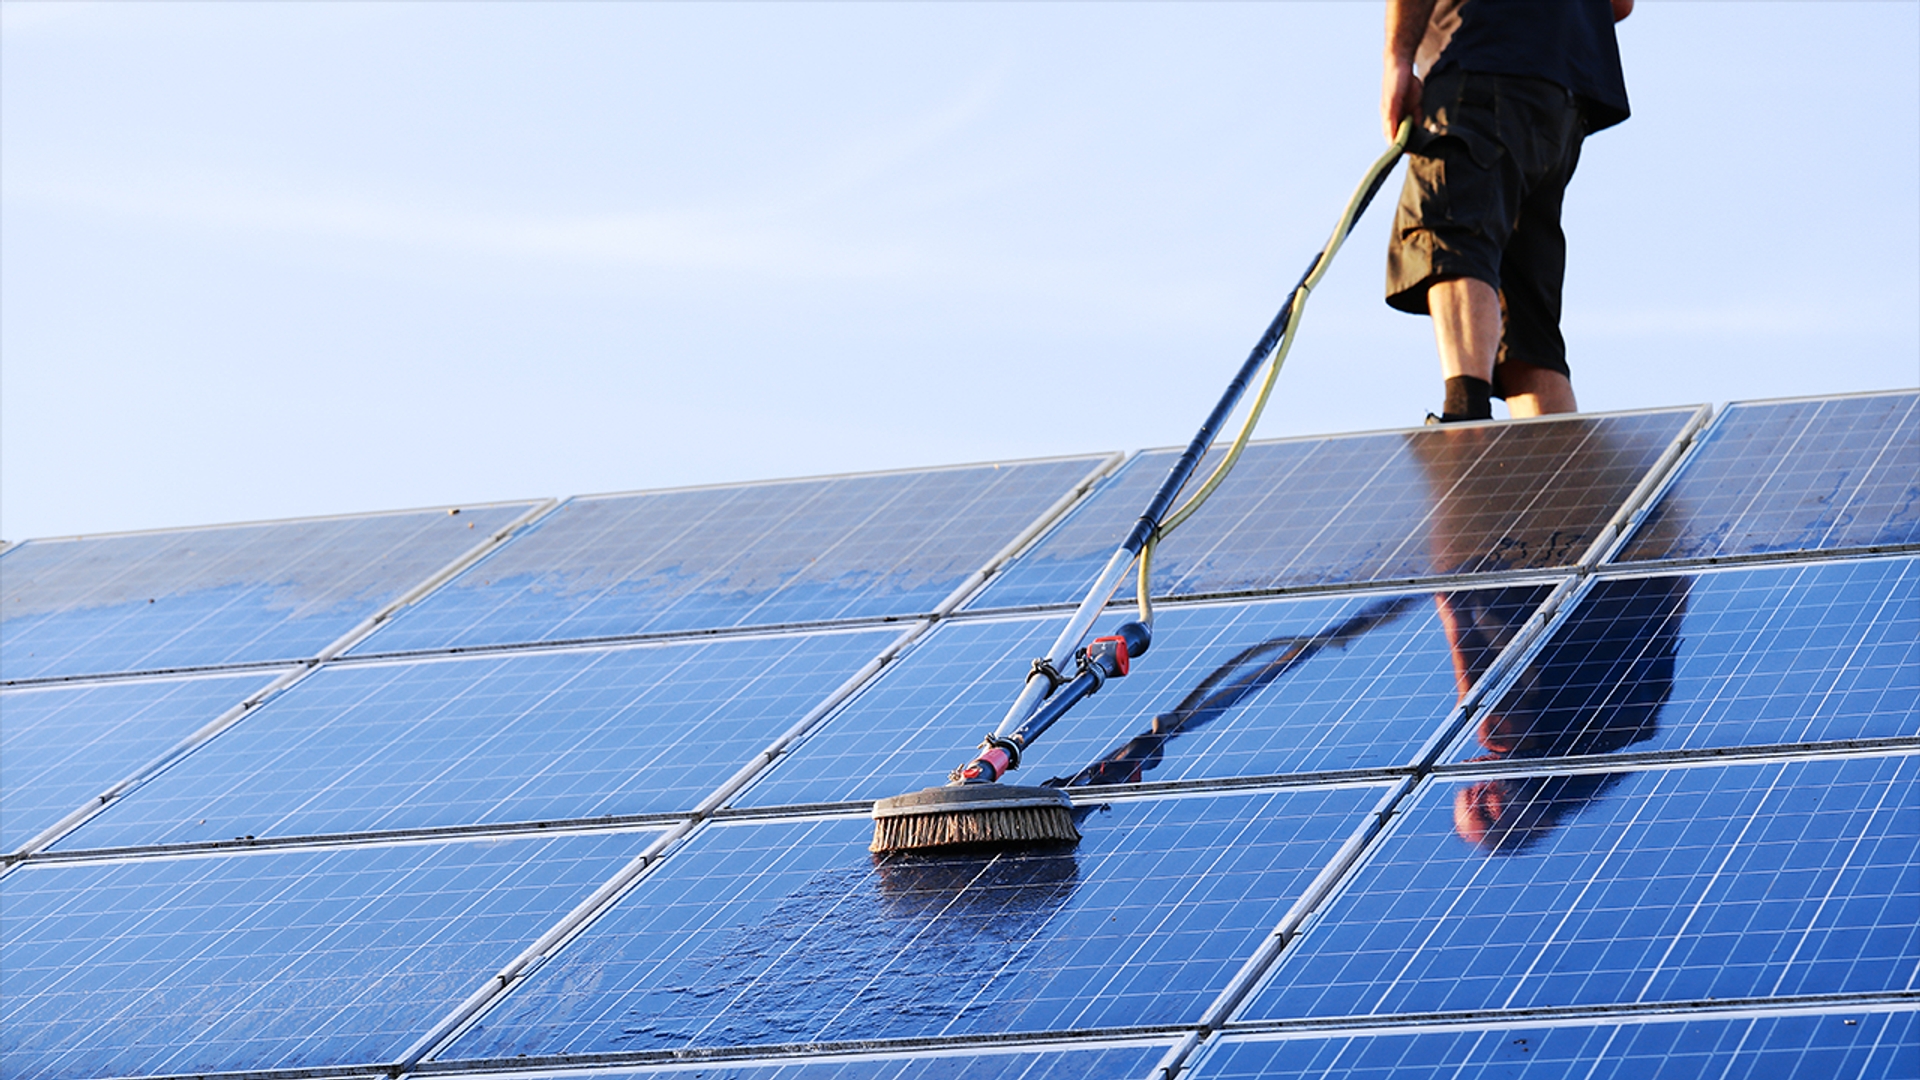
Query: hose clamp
[(1044, 667)]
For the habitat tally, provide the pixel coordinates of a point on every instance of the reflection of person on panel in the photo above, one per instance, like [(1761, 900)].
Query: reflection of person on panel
[(1599, 683), (1596, 687)]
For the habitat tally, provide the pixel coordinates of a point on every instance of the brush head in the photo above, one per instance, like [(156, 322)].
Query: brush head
[(972, 814)]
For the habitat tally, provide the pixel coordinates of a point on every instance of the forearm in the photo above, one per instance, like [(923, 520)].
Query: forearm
[(1406, 27)]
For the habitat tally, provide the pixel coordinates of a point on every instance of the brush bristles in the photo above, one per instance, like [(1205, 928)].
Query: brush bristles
[(1020, 824)]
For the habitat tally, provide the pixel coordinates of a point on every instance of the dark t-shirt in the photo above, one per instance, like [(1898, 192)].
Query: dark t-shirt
[(1569, 42)]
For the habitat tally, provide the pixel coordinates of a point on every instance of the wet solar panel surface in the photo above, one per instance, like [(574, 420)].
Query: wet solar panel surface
[(1361, 508), (1785, 476), (789, 932), (1228, 690), (1751, 657), (753, 555), (235, 594)]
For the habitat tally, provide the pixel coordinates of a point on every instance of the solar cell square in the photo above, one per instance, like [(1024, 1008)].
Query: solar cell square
[(1681, 885), (789, 932), (287, 959), (1358, 508), (63, 745), (1858, 1045), (1732, 658), (1103, 1063), (1231, 689), (1775, 476), (751, 555), (235, 594), (491, 739)]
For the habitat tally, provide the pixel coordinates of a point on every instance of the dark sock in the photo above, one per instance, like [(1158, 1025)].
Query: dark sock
[(1468, 398)]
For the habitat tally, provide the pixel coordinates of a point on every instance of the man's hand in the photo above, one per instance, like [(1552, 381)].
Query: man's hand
[(1399, 96)]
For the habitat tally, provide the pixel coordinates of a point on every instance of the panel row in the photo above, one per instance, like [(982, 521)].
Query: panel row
[(1735, 657), (1786, 882), (1767, 477)]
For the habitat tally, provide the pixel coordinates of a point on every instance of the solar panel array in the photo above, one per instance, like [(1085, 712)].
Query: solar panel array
[(1576, 747)]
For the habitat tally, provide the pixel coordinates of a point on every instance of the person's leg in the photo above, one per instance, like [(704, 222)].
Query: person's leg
[(1466, 329), (1466, 326), (1535, 391)]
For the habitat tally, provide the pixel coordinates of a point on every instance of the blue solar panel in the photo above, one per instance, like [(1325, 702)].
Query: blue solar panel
[(61, 746), (789, 932), (235, 594), (1856, 1045), (1746, 881), (1363, 508), (1735, 658), (1234, 689), (1104, 1063), (1793, 476), (485, 740), (759, 554), (288, 959)]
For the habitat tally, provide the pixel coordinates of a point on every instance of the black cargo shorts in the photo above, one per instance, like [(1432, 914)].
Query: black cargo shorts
[(1485, 179)]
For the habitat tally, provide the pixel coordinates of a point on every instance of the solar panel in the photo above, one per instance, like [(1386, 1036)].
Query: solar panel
[(1834, 1044), (1129, 1062), (283, 959), (1776, 476), (491, 739), (1227, 690), (1772, 880), (235, 594), (1747, 657), (1358, 508), (751, 555), (789, 932), (61, 746)]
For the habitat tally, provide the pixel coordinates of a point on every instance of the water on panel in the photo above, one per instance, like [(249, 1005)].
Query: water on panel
[(1226, 690), (1771, 880), (234, 594), (66, 744), (1856, 1045), (1358, 508), (520, 737), (1793, 476), (288, 959), (754, 554), (1746, 657), (790, 932)]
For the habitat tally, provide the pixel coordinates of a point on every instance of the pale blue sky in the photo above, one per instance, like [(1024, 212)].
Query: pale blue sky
[(286, 259)]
